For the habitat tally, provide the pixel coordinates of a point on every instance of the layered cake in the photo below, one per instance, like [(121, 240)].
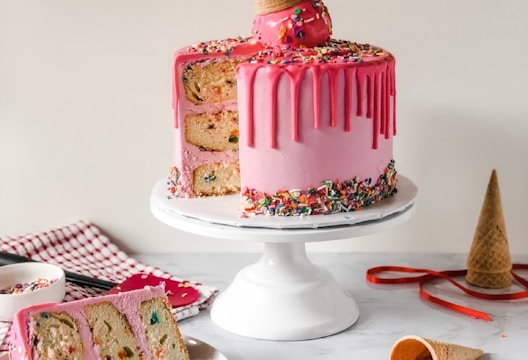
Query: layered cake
[(130, 325), (295, 121)]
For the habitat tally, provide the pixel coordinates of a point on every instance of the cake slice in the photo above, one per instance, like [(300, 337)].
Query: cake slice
[(131, 325)]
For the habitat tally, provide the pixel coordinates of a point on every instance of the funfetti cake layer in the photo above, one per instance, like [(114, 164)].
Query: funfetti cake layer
[(130, 325)]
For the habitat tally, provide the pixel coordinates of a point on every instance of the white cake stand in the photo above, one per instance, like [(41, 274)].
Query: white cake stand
[(283, 296)]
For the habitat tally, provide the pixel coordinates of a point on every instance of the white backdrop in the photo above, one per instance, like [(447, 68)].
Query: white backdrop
[(86, 123)]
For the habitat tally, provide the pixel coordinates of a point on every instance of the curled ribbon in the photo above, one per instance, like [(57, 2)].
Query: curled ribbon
[(429, 275)]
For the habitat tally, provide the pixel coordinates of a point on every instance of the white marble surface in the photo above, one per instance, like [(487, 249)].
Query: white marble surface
[(387, 312)]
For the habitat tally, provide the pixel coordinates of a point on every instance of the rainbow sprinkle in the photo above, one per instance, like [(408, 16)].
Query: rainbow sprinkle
[(172, 183), (27, 287), (329, 198), (334, 51)]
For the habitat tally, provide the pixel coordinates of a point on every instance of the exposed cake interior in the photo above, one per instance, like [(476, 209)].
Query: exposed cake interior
[(208, 157), (130, 325)]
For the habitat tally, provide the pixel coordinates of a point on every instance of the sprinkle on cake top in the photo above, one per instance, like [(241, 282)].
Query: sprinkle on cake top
[(225, 46), (334, 51), (287, 32)]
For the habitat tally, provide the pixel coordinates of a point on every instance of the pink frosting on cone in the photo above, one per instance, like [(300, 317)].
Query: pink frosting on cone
[(306, 24)]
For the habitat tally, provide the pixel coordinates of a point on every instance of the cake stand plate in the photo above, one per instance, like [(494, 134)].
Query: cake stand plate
[(227, 210), (283, 296)]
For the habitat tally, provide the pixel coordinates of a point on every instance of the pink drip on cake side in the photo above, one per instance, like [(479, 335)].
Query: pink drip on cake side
[(339, 130), (377, 77)]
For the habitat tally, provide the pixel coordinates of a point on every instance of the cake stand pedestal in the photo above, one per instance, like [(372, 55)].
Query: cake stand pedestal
[(283, 296)]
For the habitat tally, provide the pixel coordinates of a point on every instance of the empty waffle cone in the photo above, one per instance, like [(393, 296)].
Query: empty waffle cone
[(417, 348), (270, 6), (489, 264)]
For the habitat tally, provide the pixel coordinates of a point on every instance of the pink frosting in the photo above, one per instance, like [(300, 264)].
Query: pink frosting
[(305, 124), (127, 303), (306, 24)]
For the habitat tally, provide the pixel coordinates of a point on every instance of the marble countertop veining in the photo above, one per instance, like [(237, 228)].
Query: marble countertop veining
[(387, 312)]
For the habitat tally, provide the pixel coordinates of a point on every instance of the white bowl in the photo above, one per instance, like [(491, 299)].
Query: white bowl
[(29, 272)]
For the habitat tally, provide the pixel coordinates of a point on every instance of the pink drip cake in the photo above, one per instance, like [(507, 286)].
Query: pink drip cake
[(130, 325), (293, 120)]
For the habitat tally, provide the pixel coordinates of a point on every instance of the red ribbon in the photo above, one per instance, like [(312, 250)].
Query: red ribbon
[(429, 275)]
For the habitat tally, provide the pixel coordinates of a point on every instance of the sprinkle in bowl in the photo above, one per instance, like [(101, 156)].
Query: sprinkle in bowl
[(26, 284)]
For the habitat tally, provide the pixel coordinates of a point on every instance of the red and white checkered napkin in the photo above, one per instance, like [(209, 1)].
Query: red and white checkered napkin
[(81, 248)]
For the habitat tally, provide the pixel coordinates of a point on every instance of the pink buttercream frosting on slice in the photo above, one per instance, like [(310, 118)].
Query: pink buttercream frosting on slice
[(306, 24)]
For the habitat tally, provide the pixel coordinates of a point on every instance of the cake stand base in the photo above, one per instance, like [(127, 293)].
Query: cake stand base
[(284, 296)]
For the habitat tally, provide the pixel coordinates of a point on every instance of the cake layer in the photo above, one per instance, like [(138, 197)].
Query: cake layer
[(212, 131), (163, 343), (209, 81), (105, 327), (188, 158), (105, 322), (216, 179)]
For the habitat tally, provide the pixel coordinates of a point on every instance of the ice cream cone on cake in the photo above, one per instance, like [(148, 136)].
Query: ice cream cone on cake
[(417, 348), (489, 264), (271, 6)]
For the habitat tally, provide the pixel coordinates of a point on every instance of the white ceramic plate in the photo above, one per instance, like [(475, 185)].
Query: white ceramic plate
[(199, 350)]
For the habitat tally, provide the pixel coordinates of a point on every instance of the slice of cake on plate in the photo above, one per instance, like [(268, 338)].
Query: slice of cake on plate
[(130, 325)]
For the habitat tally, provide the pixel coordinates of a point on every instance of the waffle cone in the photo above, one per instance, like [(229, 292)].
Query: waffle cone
[(270, 6), (417, 348), (489, 264)]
